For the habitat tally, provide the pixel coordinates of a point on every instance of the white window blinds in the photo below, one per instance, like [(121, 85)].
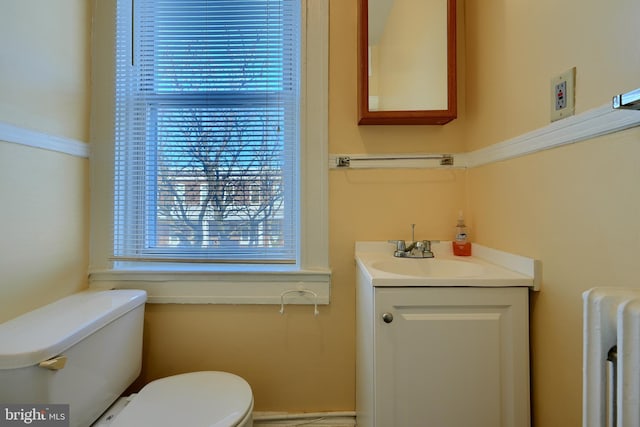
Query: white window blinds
[(207, 113)]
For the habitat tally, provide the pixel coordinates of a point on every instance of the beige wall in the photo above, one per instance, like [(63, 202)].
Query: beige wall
[(44, 65), (574, 208), (44, 56), (514, 48)]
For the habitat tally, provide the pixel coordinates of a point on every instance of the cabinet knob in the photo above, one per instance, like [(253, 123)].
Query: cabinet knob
[(387, 317)]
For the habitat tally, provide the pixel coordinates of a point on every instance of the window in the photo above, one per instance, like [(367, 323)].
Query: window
[(207, 113), (217, 159)]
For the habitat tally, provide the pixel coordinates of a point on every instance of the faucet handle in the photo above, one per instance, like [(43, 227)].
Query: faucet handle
[(400, 244), (426, 248), (427, 243)]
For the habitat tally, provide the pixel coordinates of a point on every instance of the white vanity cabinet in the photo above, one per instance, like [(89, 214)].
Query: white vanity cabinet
[(442, 356)]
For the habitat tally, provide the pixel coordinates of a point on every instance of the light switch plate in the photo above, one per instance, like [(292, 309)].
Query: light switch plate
[(563, 89)]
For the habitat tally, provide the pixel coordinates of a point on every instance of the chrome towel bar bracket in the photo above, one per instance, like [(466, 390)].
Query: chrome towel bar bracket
[(627, 101)]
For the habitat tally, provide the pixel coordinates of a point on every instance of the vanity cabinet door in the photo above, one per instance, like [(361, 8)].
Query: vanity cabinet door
[(451, 357)]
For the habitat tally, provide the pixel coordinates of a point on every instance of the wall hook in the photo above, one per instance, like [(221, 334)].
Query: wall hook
[(300, 291)]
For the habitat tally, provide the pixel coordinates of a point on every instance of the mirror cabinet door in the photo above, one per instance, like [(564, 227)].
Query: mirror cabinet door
[(407, 62)]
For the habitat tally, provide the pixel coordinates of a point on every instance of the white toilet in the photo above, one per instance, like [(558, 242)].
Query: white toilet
[(86, 349)]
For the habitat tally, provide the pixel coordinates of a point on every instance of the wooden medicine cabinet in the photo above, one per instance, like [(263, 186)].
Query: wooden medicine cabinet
[(406, 62)]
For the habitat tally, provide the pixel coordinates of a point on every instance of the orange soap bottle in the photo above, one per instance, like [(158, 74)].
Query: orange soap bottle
[(461, 244)]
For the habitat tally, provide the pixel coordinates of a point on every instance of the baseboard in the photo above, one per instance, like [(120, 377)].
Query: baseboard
[(280, 419)]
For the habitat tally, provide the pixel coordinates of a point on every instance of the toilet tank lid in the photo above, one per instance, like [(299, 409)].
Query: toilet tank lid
[(50, 330)]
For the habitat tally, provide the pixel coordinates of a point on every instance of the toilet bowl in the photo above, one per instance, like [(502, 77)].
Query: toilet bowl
[(209, 399), (86, 349)]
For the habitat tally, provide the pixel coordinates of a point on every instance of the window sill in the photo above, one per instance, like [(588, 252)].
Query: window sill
[(165, 286)]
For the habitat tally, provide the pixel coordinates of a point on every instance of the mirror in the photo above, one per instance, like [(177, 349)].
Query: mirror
[(407, 62)]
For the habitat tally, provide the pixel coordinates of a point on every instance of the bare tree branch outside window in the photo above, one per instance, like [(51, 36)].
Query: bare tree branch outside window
[(221, 185)]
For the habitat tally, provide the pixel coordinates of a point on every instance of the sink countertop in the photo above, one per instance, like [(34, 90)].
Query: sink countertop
[(496, 268)]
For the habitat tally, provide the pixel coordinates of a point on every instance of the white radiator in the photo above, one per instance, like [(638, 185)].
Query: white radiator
[(611, 358)]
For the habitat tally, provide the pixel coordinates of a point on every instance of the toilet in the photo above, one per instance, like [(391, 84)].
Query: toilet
[(84, 350)]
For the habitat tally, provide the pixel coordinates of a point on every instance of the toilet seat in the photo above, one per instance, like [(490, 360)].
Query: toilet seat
[(196, 399)]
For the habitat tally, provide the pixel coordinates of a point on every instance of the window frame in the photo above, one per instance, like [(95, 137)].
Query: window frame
[(219, 283)]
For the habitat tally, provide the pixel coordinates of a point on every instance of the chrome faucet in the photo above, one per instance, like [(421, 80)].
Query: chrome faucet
[(421, 249), (415, 249)]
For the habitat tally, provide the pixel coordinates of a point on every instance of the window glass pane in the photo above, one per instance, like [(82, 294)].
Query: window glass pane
[(219, 176)]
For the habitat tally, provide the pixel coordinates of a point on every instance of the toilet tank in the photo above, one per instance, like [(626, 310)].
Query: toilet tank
[(100, 334)]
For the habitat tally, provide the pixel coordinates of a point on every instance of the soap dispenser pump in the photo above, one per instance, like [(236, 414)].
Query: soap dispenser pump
[(461, 244)]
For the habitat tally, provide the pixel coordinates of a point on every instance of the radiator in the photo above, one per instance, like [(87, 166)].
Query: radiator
[(611, 358)]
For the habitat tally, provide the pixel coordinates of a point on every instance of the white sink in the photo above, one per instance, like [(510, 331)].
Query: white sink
[(428, 267), (486, 268)]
